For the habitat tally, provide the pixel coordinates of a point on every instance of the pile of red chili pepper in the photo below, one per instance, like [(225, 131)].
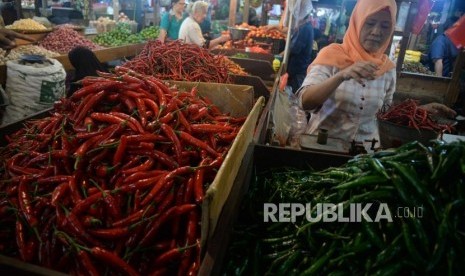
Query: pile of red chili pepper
[(111, 182), (175, 60), (409, 113)]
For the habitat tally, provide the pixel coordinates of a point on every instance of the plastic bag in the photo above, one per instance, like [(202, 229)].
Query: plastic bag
[(289, 120), (298, 119)]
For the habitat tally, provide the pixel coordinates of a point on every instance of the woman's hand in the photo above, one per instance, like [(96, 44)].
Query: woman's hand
[(439, 110), (359, 71), (7, 38)]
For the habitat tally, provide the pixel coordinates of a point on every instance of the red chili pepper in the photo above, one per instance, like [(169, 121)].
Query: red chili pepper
[(59, 192), (87, 105), (141, 109), (86, 262), (193, 269), (141, 184), (173, 211), (158, 91), (199, 181), (210, 128), (165, 119), (95, 87), (118, 157), (112, 233), (54, 179), (169, 132), (134, 217), (130, 119), (143, 167), (81, 151), (113, 260), (131, 178), (55, 154), (76, 227), (75, 195), (162, 181), (25, 202), (21, 239), (84, 204), (112, 206), (196, 142), (153, 106)]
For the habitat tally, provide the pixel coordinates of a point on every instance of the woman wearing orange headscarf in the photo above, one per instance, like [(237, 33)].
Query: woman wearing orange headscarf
[(348, 83)]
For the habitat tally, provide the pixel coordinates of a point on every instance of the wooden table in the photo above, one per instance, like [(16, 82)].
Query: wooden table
[(104, 55)]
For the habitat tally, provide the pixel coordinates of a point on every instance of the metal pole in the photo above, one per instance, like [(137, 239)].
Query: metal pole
[(290, 9)]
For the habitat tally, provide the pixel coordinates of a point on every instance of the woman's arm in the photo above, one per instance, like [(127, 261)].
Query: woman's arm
[(215, 42), (438, 67), (162, 35), (315, 95)]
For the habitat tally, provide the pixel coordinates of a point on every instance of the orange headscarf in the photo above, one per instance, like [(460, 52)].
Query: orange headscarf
[(350, 51)]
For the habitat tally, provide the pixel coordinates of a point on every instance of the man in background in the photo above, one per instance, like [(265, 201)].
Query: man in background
[(443, 52)]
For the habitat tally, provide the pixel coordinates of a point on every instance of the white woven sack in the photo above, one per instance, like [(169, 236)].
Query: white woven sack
[(31, 89)]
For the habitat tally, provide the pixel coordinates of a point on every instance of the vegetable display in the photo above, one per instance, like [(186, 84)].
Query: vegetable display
[(26, 25), (175, 60), (413, 178), (111, 182), (151, 32), (63, 40), (409, 113), (19, 51), (120, 35)]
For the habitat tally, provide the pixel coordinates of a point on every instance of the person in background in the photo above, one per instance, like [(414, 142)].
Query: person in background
[(348, 83), (7, 38), (301, 48), (171, 21), (85, 63), (190, 31), (443, 52), (206, 25)]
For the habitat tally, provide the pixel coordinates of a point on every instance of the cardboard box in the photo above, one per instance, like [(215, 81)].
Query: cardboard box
[(238, 100)]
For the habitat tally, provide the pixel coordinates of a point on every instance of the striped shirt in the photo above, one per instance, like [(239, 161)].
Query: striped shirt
[(350, 112)]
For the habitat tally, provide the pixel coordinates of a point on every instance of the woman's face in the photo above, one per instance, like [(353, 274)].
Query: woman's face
[(179, 6), (376, 31), (200, 16)]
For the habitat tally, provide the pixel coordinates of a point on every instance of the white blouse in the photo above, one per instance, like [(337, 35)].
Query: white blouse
[(190, 32), (350, 112)]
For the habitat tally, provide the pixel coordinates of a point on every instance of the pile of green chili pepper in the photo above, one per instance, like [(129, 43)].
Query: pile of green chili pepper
[(411, 176)]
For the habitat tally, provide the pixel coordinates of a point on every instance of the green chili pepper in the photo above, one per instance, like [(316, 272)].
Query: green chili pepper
[(381, 193), (390, 269), (410, 177), (450, 159), (414, 254), (398, 183), (378, 167), (289, 263), (372, 235), (421, 234), (362, 182), (318, 264), (389, 252)]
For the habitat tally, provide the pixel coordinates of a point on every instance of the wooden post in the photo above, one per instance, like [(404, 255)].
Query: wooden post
[(232, 12), (454, 86), (245, 14), (115, 9), (413, 10)]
